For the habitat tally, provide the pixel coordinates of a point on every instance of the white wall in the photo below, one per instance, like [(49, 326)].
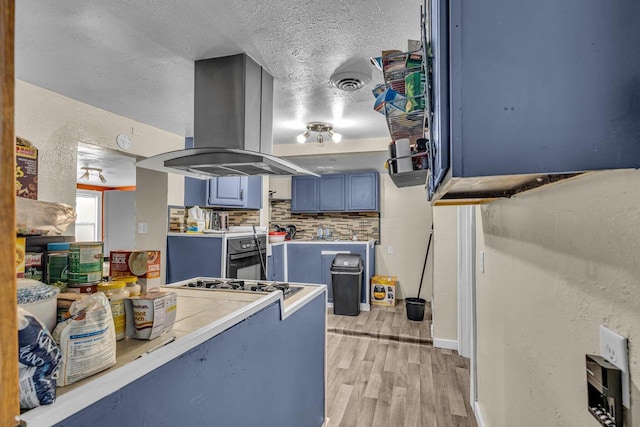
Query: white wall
[(445, 273), (559, 262), (55, 124), (405, 222)]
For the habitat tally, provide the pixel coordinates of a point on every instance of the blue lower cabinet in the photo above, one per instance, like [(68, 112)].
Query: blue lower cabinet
[(303, 263), (263, 371), (327, 260), (311, 263), (191, 256), (277, 255)]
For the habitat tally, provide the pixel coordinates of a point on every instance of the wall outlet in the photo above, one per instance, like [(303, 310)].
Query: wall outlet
[(613, 347), (142, 228), (390, 250)]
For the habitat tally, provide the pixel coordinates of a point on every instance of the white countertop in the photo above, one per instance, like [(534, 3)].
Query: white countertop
[(218, 235), (195, 324), (326, 242)]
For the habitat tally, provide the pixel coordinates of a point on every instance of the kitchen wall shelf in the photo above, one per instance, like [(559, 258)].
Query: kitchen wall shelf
[(415, 123)]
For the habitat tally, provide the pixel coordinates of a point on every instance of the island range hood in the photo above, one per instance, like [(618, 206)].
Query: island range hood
[(233, 124)]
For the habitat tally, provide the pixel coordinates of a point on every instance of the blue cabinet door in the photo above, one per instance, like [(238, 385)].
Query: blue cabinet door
[(304, 263), (189, 257), (277, 256), (235, 192), (363, 192), (304, 194), (227, 191), (332, 194)]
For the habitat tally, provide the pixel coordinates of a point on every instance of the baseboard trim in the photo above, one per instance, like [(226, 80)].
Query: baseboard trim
[(448, 344), (363, 306), (478, 413)]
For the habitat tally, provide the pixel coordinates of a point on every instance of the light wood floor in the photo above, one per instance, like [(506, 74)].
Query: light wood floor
[(390, 382), (383, 322)]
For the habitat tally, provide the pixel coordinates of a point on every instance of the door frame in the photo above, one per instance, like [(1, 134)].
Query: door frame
[(467, 292), (9, 394)]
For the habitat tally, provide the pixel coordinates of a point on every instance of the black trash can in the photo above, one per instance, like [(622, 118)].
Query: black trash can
[(346, 284)]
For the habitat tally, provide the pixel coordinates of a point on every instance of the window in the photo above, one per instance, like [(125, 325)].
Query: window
[(89, 220)]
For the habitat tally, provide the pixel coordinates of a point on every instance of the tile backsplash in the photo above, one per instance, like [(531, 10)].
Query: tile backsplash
[(238, 217), (342, 224)]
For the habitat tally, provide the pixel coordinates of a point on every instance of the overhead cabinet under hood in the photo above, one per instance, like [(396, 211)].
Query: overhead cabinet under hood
[(233, 124)]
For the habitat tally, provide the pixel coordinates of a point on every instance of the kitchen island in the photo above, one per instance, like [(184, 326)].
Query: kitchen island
[(237, 359), (309, 261)]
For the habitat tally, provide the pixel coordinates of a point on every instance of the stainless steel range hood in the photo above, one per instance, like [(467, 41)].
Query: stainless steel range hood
[(233, 124)]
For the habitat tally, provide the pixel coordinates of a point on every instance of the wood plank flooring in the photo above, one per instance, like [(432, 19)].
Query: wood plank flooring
[(383, 322), (395, 378)]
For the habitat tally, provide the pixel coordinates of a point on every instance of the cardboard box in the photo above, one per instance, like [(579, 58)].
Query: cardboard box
[(383, 290), (26, 169), (145, 265), (21, 243), (150, 315)]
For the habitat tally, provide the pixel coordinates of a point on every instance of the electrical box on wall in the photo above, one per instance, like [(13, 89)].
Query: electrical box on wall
[(604, 391)]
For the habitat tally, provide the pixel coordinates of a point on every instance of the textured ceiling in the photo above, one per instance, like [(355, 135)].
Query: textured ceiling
[(135, 57), (117, 168)]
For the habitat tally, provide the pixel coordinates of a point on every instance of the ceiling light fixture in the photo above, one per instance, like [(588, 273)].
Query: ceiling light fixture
[(319, 127), (85, 176)]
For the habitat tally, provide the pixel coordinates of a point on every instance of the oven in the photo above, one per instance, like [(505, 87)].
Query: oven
[(245, 260)]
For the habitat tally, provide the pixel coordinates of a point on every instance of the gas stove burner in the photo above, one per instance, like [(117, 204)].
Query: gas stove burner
[(242, 285)]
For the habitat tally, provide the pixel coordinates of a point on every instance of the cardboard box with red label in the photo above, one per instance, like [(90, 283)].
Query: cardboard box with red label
[(145, 265)]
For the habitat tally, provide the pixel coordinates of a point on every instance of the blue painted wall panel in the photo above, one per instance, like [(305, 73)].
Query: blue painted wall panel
[(261, 372), (189, 257)]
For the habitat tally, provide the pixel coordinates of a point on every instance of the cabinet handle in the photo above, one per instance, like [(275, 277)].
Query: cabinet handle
[(241, 194)]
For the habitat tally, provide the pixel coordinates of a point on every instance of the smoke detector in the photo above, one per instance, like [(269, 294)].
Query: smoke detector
[(349, 80)]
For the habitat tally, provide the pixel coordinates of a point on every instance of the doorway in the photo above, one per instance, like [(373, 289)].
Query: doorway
[(107, 193)]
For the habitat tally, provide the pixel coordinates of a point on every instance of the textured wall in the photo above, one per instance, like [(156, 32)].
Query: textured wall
[(55, 124), (445, 273), (405, 221), (559, 262)]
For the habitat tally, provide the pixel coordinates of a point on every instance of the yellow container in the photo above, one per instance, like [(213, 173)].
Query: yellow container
[(116, 293)]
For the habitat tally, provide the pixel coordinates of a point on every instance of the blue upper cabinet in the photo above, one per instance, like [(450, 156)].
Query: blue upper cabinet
[(363, 192), (304, 194), (352, 192), (236, 192), (332, 197), (228, 191)]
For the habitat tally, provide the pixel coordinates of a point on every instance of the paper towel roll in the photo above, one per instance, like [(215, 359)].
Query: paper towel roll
[(403, 148)]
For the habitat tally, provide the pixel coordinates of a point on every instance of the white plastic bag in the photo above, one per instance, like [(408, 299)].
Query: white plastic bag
[(37, 217), (195, 219), (38, 361), (87, 339)]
